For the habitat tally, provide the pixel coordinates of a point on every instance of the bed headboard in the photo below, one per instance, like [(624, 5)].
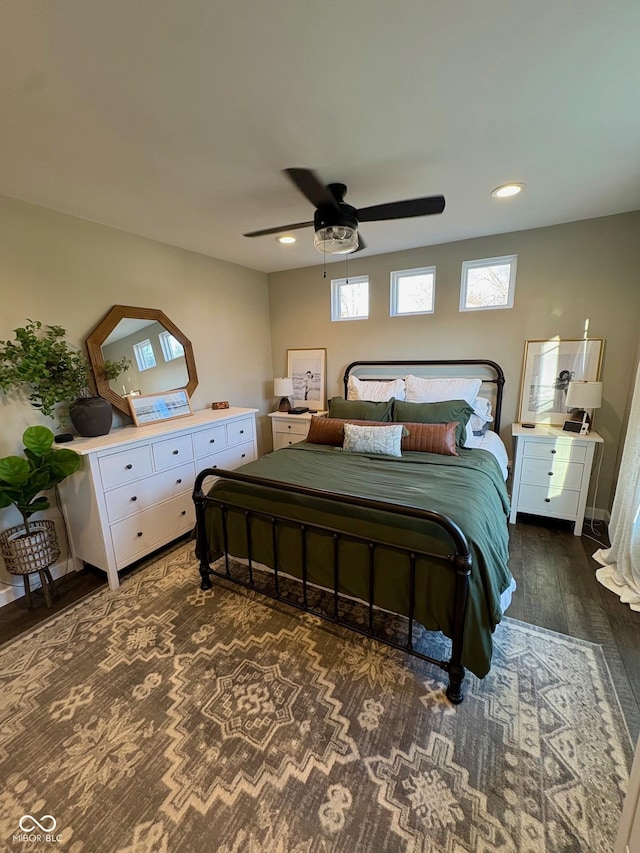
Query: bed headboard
[(490, 373)]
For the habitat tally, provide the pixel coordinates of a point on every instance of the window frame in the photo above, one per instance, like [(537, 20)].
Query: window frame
[(140, 360), (502, 260), (165, 339), (395, 278), (336, 284)]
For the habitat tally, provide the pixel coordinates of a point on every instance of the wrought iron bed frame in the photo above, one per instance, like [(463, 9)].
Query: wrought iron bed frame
[(458, 560)]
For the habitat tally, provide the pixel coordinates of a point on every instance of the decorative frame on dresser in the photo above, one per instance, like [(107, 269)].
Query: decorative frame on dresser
[(552, 472), (133, 493)]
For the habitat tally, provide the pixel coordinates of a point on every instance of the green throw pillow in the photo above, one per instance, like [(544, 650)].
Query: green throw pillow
[(360, 410), (435, 413)]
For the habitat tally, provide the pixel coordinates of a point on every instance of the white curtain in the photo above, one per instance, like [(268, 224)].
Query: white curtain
[(621, 562)]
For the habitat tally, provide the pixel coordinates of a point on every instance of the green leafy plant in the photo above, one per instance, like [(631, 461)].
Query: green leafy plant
[(41, 360), (22, 479)]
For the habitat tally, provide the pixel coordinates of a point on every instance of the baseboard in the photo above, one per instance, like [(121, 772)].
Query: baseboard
[(9, 593)]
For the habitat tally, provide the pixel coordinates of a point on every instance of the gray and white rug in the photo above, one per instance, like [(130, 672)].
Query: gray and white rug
[(162, 718)]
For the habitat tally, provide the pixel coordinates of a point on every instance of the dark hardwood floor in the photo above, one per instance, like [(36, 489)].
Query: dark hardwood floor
[(557, 589)]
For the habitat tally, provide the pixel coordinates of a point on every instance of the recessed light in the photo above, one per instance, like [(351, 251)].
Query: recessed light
[(507, 190), (286, 238)]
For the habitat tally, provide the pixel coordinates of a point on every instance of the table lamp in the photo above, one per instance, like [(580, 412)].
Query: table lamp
[(582, 396), (283, 388)]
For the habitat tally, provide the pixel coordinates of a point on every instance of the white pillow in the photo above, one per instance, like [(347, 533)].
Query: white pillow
[(482, 409), (373, 439), (437, 390), (376, 392)]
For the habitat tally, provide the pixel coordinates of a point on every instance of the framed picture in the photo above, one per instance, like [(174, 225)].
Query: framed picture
[(307, 368), (149, 408), (548, 368)]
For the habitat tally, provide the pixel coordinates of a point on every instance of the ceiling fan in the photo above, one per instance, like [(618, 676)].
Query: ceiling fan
[(336, 222)]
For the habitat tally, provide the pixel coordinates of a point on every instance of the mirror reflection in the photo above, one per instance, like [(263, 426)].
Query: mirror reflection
[(161, 355), (157, 357)]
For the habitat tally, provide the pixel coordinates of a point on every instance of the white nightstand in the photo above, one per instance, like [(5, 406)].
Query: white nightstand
[(289, 429), (551, 473)]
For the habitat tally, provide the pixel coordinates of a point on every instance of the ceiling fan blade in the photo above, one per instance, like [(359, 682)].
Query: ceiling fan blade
[(402, 209), (277, 230), (312, 188)]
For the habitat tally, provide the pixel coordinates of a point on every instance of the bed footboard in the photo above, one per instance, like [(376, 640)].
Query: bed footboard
[(457, 561)]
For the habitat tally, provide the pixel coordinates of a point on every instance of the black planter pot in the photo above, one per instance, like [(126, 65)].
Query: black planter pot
[(91, 416)]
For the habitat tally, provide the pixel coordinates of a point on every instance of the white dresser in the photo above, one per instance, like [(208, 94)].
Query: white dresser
[(133, 492), (289, 429), (551, 473)]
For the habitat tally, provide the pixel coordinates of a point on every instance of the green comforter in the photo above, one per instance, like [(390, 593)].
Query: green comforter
[(467, 488)]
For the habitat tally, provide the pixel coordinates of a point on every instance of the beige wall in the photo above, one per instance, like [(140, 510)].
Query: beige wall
[(583, 274), (62, 270)]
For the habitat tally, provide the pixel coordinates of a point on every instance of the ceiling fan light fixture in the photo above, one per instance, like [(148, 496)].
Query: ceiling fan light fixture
[(336, 239), (286, 239), (507, 190)]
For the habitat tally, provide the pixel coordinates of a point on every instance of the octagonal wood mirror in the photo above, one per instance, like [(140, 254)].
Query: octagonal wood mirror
[(161, 355)]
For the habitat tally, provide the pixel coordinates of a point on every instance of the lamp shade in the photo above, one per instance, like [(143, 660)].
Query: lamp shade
[(584, 395), (283, 387)]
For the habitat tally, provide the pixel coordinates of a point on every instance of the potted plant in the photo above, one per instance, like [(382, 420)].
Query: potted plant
[(42, 360), (33, 546)]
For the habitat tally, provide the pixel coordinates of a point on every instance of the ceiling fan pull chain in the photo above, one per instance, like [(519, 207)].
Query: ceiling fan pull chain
[(346, 268), (324, 263)]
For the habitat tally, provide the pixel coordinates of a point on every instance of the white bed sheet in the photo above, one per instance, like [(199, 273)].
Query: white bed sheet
[(492, 442)]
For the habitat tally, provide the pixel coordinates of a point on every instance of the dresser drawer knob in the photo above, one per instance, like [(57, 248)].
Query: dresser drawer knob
[(547, 500), (241, 432), (212, 441), (554, 451), (129, 466), (551, 473), (243, 455), (288, 426), (178, 481), (134, 498), (184, 512), (175, 452), (139, 533)]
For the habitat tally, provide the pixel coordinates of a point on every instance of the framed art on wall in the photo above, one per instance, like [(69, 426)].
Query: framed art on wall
[(149, 408), (548, 368), (307, 368)]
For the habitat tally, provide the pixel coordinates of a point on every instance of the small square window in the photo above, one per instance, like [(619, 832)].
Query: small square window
[(350, 298), (145, 357), (412, 291), (489, 283), (171, 347)]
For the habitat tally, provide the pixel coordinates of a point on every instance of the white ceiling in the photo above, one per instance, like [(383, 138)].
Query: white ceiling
[(173, 119)]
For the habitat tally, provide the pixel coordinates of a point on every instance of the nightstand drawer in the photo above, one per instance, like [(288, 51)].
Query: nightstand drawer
[(548, 500), (554, 472), (555, 450), (292, 427)]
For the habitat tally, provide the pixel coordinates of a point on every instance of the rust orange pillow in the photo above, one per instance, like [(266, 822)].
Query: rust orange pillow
[(431, 438), (331, 430)]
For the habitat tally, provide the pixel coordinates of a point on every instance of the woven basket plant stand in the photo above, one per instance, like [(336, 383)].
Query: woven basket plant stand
[(27, 553)]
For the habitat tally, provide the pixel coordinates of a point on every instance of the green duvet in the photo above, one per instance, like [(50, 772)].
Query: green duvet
[(468, 488)]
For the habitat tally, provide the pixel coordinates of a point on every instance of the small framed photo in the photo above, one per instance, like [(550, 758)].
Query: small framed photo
[(150, 408), (307, 368), (548, 368)]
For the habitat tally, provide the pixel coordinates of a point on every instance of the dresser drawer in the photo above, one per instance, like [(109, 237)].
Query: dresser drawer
[(230, 458), (292, 427), (559, 449), (239, 431), (141, 533), (554, 472), (210, 440), (135, 497), (172, 452), (125, 466), (541, 500)]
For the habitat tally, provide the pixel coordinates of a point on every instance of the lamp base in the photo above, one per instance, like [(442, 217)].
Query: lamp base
[(284, 405)]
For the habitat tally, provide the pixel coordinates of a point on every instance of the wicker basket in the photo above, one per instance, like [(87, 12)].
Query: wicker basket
[(24, 553)]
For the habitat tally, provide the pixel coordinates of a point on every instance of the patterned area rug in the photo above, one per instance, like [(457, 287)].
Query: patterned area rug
[(162, 718)]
